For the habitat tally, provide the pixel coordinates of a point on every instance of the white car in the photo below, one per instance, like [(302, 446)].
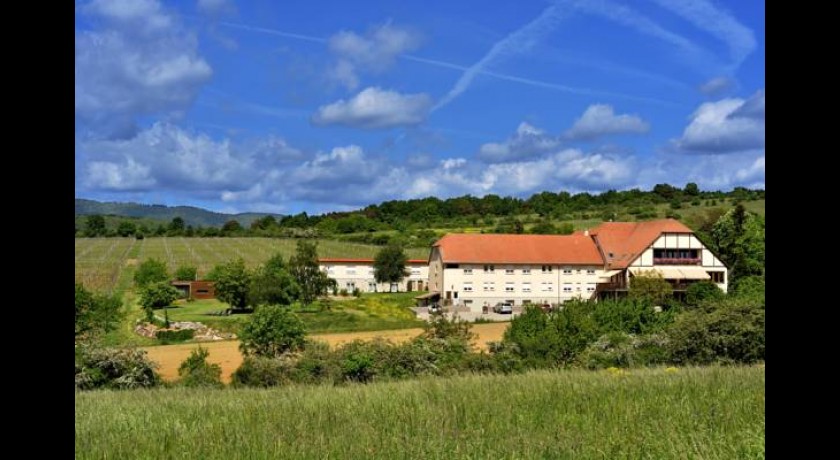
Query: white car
[(505, 308)]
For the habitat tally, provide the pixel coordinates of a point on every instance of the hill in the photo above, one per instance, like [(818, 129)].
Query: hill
[(157, 212)]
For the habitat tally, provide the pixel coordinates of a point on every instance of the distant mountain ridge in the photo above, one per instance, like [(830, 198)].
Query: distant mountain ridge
[(192, 215)]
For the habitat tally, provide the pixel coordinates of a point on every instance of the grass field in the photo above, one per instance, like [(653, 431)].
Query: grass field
[(102, 263), (370, 312), (708, 413)]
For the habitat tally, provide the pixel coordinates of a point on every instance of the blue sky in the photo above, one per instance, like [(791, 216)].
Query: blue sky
[(331, 105)]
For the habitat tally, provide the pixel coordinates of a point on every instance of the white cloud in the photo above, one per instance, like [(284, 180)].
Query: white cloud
[(600, 120), (121, 176), (140, 62), (374, 52), (717, 86), (527, 142), (725, 126), (375, 108)]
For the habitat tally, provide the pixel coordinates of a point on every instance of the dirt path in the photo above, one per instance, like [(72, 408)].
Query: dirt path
[(226, 353)]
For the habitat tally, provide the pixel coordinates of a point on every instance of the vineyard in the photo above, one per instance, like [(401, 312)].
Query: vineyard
[(103, 263)]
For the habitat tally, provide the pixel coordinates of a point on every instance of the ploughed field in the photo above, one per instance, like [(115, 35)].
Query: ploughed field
[(708, 413)]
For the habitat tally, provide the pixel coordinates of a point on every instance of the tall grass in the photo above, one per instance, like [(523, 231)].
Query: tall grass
[(691, 413)]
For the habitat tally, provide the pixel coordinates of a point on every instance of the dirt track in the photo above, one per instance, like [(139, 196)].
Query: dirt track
[(169, 357)]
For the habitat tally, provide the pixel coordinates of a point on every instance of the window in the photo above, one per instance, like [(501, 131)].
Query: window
[(567, 288), (526, 271), (202, 291), (567, 271), (415, 271), (468, 271), (489, 268), (676, 256), (590, 272), (508, 271), (350, 285), (526, 302), (371, 287), (508, 287), (489, 286), (717, 277), (590, 288), (548, 287), (468, 302), (546, 268), (526, 287), (468, 287), (351, 271)]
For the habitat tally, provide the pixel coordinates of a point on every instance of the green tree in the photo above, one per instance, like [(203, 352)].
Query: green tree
[(231, 227), (158, 295), (94, 225), (552, 339), (176, 227), (272, 286), (738, 238), (276, 263), (650, 287), (96, 313), (304, 268), (544, 228), (232, 280), (186, 273), (389, 264), (691, 189), (150, 271), (272, 331), (126, 228)]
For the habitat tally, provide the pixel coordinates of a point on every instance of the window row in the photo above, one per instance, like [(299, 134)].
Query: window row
[(527, 271)]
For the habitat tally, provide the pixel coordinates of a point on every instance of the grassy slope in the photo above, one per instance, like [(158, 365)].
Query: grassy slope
[(704, 413)]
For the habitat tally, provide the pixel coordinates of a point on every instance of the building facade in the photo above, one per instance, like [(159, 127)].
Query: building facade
[(477, 270), (353, 274)]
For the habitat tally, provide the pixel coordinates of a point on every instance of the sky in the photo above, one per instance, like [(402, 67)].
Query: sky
[(318, 106)]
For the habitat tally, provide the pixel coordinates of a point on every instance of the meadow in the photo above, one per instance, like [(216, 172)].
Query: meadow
[(105, 264), (709, 413)]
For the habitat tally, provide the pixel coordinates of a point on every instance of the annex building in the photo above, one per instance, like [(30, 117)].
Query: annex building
[(358, 273), (476, 270)]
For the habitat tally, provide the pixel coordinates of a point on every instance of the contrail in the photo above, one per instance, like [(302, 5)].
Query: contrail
[(465, 69), (719, 23), (514, 43)]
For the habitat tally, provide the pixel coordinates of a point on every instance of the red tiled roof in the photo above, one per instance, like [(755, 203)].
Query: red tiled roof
[(626, 240), (519, 249), (365, 261)]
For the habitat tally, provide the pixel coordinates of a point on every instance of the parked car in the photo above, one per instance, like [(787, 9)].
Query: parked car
[(503, 308)]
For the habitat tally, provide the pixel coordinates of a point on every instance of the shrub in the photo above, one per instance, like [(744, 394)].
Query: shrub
[(357, 292), (272, 331), (343, 292), (181, 335), (158, 295), (629, 316), (551, 339), (258, 371), (195, 371), (150, 271), (649, 287), (186, 273), (702, 291), (114, 369), (96, 313), (619, 349), (731, 331)]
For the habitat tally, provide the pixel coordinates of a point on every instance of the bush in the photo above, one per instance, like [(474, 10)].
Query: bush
[(114, 369), (158, 295), (619, 349), (343, 292), (150, 271), (96, 314), (272, 331), (650, 287), (195, 371), (186, 273), (258, 371), (552, 339), (702, 291), (357, 292), (629, 316), (731, 331), (181, 335)]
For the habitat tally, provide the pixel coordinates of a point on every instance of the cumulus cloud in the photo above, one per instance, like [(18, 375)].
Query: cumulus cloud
[(139, 62), (375, 108), (717, 86), (725, 126), (600, 120), (373, 52), (528, 141), (127, 175)]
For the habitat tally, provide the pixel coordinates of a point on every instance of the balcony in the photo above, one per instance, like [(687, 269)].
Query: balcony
[(676, 261)]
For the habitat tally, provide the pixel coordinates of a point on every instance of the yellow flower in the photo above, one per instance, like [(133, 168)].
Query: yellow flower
[(671, 369)]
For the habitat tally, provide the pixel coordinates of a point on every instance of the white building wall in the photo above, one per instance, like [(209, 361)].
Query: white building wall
[(470, 285), (360, 275), (683, 241)]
